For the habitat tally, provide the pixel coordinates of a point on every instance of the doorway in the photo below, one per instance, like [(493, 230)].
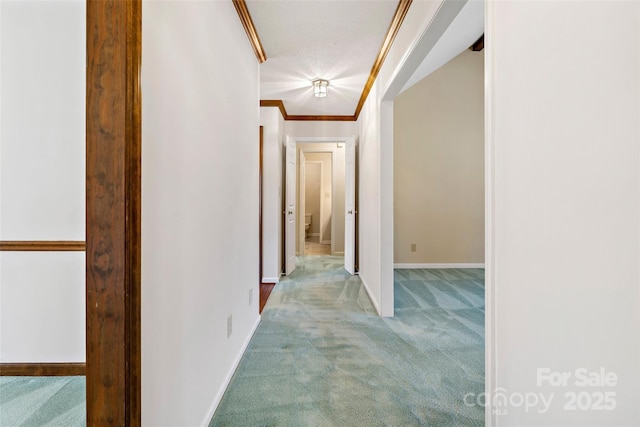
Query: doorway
[(336, 224), (316, 193), (326, 221)]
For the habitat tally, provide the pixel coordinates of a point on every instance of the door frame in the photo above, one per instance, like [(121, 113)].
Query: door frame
[(302, 208), (301, 194), (291, 204), (333, 208), (260, 187), (113, 213), (331, 140)]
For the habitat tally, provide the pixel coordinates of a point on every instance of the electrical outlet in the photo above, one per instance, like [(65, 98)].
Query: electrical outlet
[(229, 325), (250, 296), (413, 247)]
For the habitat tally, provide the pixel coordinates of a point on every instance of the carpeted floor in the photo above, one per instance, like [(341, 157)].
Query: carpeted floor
[(322, 357), (42, 401)]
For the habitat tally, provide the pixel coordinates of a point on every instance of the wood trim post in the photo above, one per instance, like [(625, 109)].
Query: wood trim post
[(113, 187), (260, 198)]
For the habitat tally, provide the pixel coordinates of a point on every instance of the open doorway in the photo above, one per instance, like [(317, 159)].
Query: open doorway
[(316, 201), (333, 223), (323, 231)]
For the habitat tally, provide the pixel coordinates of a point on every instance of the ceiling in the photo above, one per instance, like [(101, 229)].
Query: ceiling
[(339, 41), (466, 28)]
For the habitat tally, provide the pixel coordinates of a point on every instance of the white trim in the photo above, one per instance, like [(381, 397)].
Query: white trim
[(491, 362), (385, 200), (339, 253), (314, 234), (408, 266), (301, 197), (325, 242), (270, 280), (227, 380), (375, 302)]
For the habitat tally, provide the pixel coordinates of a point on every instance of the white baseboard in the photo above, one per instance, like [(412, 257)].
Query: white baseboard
[(339, 253), (408, 266), (227, 380), (325, 242), (270, 279), (374, 301), (314, 234)]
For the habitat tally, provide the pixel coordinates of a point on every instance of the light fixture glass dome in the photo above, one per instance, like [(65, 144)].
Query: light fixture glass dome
[(320, 88)]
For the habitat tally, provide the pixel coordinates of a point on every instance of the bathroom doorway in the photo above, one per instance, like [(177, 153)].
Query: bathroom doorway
[(317, 201), (320, 189), (343, 207)]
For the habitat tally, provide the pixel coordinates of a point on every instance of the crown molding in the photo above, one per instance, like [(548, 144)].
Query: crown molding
[(275, 103), (280, 105), (250, 29), (396, 22)]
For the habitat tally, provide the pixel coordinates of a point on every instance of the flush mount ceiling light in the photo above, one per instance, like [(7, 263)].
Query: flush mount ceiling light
[(320, 88)]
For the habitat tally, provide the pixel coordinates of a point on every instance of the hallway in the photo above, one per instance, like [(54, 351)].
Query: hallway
[(322, 356), (313, 247)]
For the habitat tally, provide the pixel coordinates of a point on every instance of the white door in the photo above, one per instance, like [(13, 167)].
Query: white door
[(350, 205), (301, 198), (290, 206)]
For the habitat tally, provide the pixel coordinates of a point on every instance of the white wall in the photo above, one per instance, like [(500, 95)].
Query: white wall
[(320, 128), (375, 157), (439, 166), (42, 176), (369, 201), (563, 138), (200, 141), (272, 152)]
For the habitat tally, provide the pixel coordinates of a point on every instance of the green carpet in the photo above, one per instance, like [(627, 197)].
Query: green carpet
[(42, 401), (322, 357)]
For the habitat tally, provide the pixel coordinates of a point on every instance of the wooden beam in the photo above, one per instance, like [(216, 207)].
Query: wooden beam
[(478, 45), (394, 27), (113, 112), (42, 245), (250, 29)]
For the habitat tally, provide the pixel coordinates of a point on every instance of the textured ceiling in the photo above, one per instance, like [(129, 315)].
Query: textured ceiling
[(309, 39)]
